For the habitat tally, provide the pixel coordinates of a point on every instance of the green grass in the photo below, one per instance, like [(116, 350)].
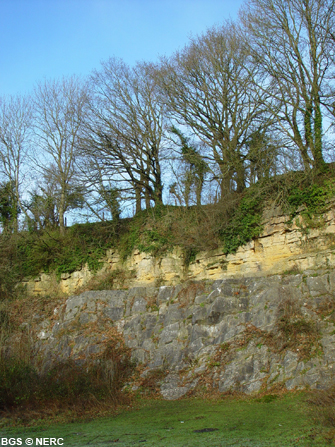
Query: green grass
[(278, 422)]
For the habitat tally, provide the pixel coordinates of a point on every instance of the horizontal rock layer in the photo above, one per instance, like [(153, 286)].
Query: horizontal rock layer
[(282, 246)]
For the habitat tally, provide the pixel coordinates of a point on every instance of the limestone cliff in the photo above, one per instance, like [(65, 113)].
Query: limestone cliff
[(256, 319), (241, 333), (284, 245)]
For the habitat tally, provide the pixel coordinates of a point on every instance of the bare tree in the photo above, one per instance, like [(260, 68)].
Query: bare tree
[(42, 207), (15, 127), (192, 170), (290, 43), (210, 87), (59, 112), (102, 195), (125, 130)]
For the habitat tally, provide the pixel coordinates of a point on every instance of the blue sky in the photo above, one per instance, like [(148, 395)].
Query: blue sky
[(51, 38)]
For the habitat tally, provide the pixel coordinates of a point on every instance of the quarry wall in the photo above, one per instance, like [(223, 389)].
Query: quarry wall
[(244, 334), (258, 319), (284, 245)]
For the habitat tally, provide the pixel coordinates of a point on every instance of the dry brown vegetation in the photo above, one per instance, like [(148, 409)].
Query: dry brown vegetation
[(188, 293), (78, 387), (322, 409)]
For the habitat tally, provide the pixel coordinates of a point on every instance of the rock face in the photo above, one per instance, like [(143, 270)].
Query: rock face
[(281, 247), (241, 334)]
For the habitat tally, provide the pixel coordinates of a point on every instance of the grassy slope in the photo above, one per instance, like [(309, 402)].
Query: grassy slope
[(279, 422)]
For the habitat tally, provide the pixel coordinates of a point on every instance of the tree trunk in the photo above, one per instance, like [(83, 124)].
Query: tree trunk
[(147, 194), (225, 186), (240, 177), (319, 162), (138, 199), (61, 213), (198, 189)]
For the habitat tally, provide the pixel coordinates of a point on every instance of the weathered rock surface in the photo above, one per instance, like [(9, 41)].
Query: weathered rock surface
[(281, 247), (227, 334)]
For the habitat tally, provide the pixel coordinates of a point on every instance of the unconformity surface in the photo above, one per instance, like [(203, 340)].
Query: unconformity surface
[(242, 334)]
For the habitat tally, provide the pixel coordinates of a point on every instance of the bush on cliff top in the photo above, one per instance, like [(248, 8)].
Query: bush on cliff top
[(229, 224)]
